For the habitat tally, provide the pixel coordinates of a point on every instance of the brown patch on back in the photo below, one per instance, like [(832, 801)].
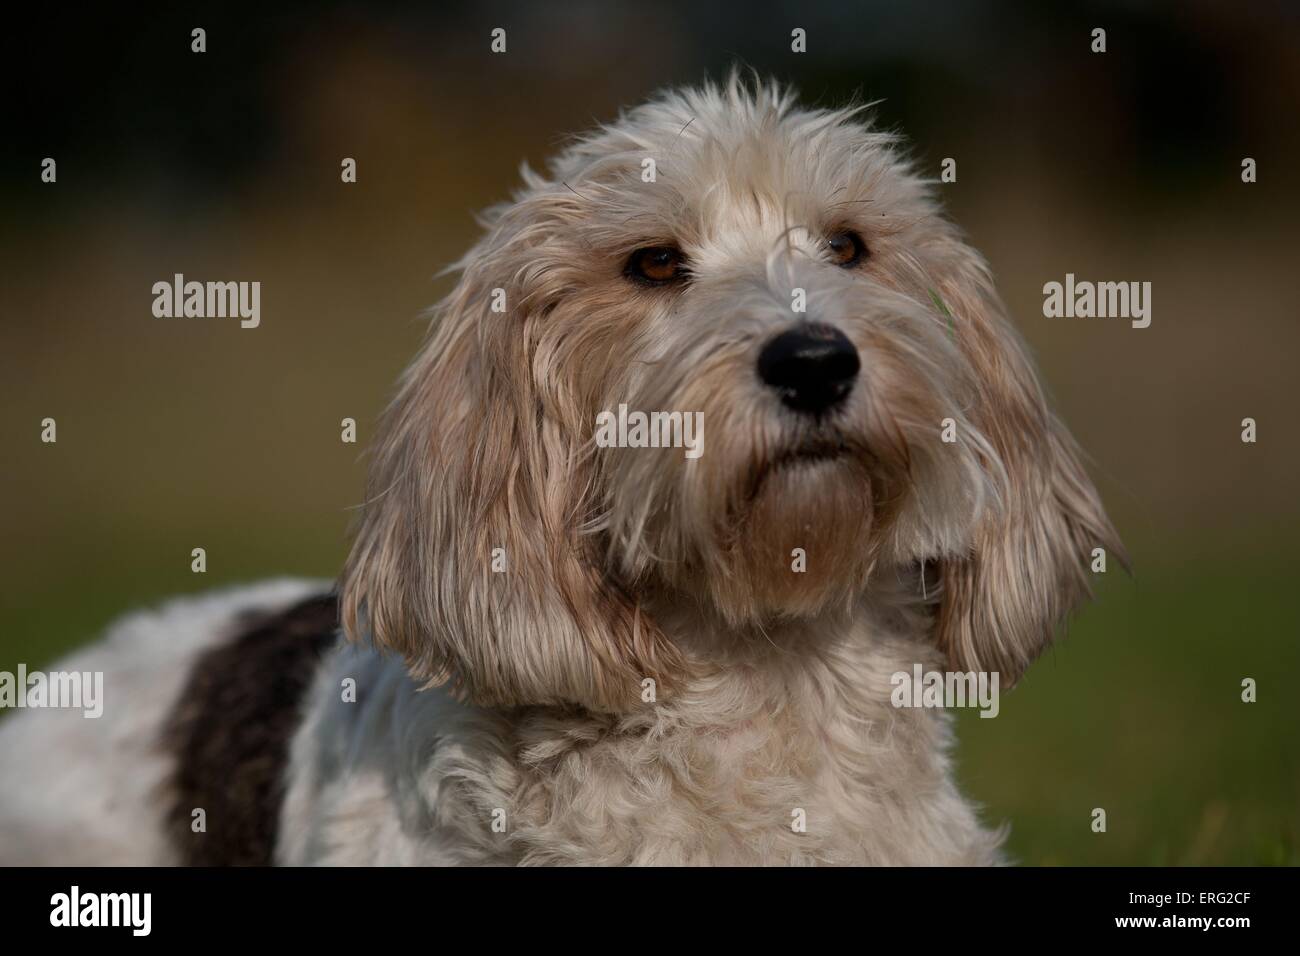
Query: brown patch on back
[(230, 733)]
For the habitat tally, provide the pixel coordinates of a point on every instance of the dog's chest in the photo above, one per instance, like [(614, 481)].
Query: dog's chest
[(774, 790), (414, 777)]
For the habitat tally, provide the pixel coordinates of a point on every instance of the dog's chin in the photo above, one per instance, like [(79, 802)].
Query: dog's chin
[(803, 540), (823, 460)]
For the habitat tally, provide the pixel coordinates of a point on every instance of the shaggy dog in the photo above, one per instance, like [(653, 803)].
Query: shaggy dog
[(564, 650)]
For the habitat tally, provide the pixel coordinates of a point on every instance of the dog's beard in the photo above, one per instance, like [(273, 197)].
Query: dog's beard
[(769, 523), (801, 538)]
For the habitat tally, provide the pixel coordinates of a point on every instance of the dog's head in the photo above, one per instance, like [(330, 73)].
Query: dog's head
[(866, 409)]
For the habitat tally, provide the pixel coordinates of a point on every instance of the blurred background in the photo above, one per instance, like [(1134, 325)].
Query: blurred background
[(176, 434)]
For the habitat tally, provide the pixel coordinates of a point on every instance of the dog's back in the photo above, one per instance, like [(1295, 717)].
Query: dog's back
[(82, 790)]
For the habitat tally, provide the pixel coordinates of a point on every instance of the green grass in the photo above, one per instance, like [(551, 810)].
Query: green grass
[(48, 624), (1138, 711)]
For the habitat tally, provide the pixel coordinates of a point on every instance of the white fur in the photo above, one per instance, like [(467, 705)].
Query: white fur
[(405, 776), (410, 777), (88, 792)]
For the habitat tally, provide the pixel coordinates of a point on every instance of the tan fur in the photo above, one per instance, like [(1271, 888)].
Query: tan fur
[(626, 564)]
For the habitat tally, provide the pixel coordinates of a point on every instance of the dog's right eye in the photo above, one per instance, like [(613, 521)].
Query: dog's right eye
[(656, 265)]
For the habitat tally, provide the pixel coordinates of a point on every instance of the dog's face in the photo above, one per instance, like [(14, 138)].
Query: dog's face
[(866, 410)]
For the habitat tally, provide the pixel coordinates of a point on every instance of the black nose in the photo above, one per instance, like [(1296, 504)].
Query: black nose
[(811, 366)]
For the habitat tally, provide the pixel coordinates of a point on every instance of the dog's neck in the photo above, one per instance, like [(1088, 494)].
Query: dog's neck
[(776, 658), (793, 726)]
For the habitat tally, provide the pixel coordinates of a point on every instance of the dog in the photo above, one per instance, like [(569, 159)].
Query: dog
[(549, 650)]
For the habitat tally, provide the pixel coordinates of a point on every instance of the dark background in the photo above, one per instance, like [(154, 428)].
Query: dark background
[(175, 434)]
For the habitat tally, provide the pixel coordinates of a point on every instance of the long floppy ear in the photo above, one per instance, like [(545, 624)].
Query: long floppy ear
[(468, 559), (1029, 564)]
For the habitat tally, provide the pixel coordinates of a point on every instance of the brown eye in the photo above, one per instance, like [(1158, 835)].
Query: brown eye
[(656, 265), (847, 248)]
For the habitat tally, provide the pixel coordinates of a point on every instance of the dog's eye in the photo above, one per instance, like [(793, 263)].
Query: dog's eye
[(656, 265), (847, 248)]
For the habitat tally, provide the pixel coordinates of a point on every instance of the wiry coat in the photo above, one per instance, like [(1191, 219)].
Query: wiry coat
[(620, 661)]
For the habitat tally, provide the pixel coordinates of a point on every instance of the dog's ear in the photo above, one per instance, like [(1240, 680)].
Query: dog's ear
[(1029, 561), (469, 559)]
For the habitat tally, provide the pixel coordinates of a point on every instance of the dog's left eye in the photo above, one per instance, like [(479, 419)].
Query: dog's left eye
[(656, 265), (846, 248)]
